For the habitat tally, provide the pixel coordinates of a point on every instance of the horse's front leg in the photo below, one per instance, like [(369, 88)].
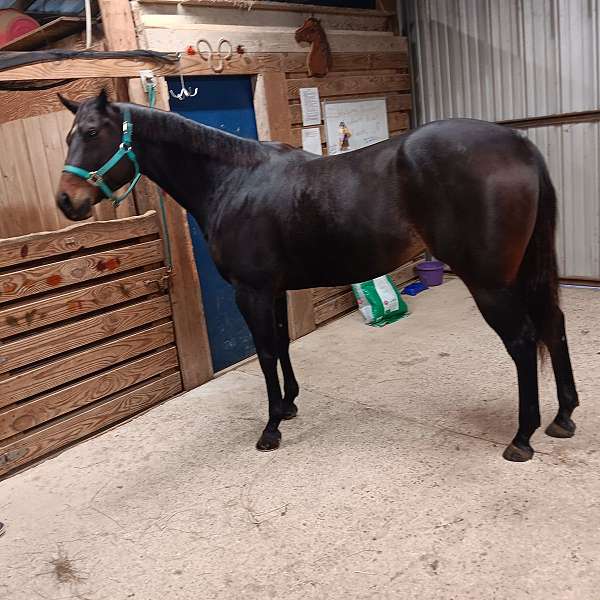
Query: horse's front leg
[(290, 385), (258, 310)]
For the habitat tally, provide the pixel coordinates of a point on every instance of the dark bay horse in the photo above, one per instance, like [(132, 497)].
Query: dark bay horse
[(478, 195)]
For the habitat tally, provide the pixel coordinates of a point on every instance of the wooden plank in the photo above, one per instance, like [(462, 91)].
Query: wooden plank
[(350, 61), (169, 16), (79, 364), (396, 122), (68, 305), (31, 414), (272, 108), (334, 307), (186, 298), (44, 278), (45, 34), (395, 103), (173, 39), (17, 171), (350, 85), (246, 63), (68, 429), (29, 350), (118, 27), (265, 5), (325, 293), (44, 191), (18, 250), (19, 105)]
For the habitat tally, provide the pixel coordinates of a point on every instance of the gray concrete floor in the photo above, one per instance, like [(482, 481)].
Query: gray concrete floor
[(390, 484)]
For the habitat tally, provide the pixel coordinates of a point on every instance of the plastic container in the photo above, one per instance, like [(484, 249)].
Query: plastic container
[(431, 272)]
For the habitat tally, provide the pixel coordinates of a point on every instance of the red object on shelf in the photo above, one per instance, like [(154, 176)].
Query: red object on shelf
[(14, 24)]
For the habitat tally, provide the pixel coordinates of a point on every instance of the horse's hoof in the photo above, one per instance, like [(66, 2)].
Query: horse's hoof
[(290, 413), (516, 454), (269, 442), (566, 429)]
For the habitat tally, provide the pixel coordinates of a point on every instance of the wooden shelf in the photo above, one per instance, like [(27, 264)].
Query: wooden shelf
[(55, 30)]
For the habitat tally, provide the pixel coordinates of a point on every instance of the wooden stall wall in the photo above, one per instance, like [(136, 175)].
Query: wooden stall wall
[(86, 333)]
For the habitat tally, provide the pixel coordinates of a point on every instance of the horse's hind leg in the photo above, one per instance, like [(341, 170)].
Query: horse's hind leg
[(562, 426), (505, 312), (259, 311), (290, 385)]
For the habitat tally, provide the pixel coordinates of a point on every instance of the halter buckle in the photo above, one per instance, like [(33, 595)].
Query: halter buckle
[(95, 178)]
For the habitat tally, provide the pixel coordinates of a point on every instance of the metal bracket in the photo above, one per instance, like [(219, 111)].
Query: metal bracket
[(148, 79)]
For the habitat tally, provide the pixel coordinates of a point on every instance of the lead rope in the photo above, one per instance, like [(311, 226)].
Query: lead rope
[(150, 89)]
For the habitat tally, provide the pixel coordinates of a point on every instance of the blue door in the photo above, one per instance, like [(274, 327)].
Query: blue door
[(225, 103)]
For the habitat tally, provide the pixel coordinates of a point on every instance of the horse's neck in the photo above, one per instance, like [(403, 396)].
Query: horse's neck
[(191, 162)]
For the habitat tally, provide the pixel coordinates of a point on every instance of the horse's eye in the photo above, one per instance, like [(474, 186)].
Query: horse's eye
[(92, 133)]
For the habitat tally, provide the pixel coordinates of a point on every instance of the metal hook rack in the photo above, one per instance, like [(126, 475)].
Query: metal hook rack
[(185, 92)]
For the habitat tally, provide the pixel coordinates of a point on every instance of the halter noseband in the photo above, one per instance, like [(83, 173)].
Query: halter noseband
[(96, 178)]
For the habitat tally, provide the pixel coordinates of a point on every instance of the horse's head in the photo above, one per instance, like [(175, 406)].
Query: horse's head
[(95, 137), (310, 31)]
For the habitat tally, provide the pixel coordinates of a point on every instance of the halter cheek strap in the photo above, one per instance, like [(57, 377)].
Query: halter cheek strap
[(96, 178)]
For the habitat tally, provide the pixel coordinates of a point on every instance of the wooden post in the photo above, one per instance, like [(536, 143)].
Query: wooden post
[(117, 21), (119, 33), (186, 298), (274, 123)]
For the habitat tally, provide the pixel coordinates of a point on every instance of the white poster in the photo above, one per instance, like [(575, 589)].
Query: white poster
[(311, 140), (310, 105), (354, 124)]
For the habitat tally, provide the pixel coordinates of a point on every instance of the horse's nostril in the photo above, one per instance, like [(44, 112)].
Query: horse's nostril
[(63, 200)]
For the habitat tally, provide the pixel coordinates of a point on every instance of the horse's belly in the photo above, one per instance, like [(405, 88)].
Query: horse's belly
[(341, 261)]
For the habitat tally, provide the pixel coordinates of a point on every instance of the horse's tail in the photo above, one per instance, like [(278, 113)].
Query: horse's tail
[(538, 274)]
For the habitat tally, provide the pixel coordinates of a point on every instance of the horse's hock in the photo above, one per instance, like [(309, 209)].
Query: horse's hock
[(86, 333)]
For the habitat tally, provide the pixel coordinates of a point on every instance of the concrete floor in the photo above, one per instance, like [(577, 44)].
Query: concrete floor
[(390, 484)]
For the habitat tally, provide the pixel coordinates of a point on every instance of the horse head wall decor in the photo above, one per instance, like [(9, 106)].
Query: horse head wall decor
[(319, 58)]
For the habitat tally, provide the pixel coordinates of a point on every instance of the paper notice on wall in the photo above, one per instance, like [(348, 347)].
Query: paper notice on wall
[(310, 105), (354, 124), (311, 140)]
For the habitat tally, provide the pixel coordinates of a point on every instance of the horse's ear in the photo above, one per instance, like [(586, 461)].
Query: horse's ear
[(102, 100), (72, 105)]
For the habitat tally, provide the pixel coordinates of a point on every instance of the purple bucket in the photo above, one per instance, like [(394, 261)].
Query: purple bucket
[(431, 272)]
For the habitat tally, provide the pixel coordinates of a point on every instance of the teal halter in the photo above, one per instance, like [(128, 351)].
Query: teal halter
[(96, 178)]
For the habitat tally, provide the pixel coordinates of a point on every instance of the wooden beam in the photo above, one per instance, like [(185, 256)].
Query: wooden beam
[(248, 63), (119, 30), (186, 298), (258, 5), (21, 105), (274, 123), (171, 16), (347, 86), (252, 39)]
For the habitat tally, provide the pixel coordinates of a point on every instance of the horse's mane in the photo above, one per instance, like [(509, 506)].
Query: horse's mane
[(171, 128)]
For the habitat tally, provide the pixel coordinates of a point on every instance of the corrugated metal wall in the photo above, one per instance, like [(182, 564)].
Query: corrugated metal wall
[(516, 59)]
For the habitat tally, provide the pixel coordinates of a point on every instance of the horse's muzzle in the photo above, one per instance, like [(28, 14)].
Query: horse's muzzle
[(80, 213)]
